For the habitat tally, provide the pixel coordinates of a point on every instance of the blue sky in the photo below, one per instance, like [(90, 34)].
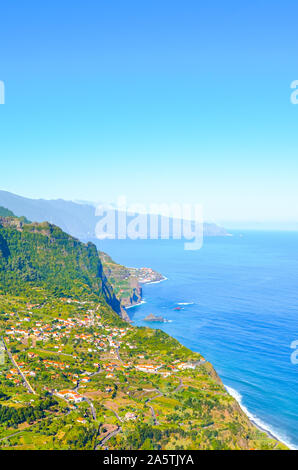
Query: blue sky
[(161, 101)]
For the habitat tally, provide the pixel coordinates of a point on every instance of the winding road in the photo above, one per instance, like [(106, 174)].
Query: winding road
[(26, 382), (179, 386), (108, 437), (113, 411), (88, 400), (160, 394)]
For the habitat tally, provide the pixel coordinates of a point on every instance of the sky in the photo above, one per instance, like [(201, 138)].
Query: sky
[(159, 101)]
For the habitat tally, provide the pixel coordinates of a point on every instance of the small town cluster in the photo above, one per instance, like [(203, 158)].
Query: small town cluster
[(101, 371)]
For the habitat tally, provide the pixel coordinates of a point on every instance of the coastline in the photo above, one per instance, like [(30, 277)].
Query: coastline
[(154, 282), (135, 305), (146, 283), (263, 427)]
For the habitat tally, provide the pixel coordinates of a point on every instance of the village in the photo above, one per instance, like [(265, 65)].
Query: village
[(103, 339), (90, 365), (98, 379)]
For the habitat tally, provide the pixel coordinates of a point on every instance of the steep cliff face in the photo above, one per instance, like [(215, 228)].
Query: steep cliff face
[(125, 283), (42, 255), (112, 300)]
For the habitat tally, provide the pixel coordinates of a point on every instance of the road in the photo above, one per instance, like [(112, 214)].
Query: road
[(93, 411), (179, 386), (156, 423), (31, 426), (200, 362), (160, 394), (108, 437), (55, 352), (11, 435), (118, 354), (113, 411), (88, 400), (27, 384)]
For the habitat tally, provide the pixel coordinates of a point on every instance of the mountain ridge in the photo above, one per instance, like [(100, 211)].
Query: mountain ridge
[(75, 218)]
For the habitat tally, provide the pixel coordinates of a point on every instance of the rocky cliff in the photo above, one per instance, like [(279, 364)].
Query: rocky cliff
[(42, 255)]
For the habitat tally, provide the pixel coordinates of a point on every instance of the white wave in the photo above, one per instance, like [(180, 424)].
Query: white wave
[(258, 422), (156, 282), (136, 305), (185, 303)]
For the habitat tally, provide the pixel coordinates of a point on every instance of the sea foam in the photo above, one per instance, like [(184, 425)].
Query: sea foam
[(258, 422), (136, 305)]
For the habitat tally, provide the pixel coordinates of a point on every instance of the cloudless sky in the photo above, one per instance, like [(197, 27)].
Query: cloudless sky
[(161, 101)]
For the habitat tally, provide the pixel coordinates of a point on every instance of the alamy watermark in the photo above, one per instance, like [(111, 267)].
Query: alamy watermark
[(2, 92), (156, 221), (294, 94), (294, 355)]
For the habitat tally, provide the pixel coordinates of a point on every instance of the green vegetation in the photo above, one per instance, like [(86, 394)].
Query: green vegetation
[(43, 256), (12, 416), (6, 212), (125, 284), (77, 376)]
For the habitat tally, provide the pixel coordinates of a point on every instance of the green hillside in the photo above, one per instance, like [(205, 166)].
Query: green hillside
[(42, 255), (6, 212), (74, 375)]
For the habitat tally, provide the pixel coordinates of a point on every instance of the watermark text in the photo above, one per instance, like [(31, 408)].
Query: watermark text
[(156, 221), (2, 92), (294, 94)]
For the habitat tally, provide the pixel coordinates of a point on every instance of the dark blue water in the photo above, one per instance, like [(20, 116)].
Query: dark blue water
[(242, 313)]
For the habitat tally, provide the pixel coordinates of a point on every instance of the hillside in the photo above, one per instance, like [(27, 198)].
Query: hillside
[(42, 255), (74, 375), (6, 213)]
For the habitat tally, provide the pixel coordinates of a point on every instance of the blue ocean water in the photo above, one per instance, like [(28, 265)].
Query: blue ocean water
[(241, 313)]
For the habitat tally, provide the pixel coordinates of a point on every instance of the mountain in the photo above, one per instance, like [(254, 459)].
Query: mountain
[(42, 255), (19, 260), (75, 218)]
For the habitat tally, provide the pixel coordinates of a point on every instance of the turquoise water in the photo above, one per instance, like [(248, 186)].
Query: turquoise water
[(241, 314)]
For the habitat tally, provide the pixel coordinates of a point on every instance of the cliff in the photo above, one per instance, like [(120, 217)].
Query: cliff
[(125, 284), (42, 255)]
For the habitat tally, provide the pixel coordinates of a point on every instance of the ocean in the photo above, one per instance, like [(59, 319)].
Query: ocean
[(239, 308)]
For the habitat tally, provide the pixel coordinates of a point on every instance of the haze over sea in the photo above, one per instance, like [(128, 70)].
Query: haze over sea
[(239, 308)]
